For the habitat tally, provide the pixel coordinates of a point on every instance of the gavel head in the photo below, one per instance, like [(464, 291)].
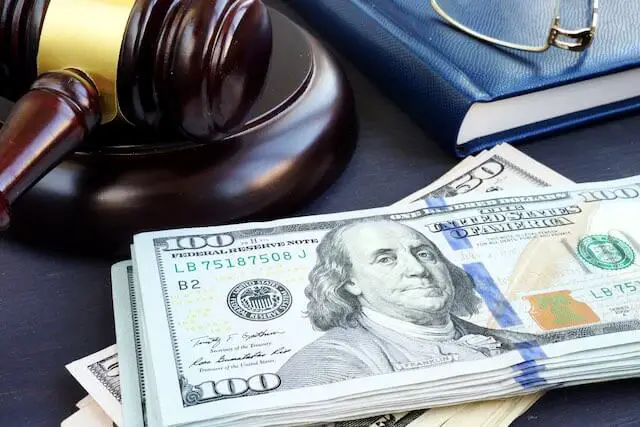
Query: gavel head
[(193, 66)]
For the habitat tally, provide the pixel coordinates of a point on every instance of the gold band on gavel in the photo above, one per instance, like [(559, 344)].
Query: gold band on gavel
[(86, 35)]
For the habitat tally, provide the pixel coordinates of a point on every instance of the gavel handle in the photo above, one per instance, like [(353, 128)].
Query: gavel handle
[(47, 123)]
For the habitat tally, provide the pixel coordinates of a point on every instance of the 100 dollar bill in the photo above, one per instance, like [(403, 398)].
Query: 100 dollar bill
[(327, 304)]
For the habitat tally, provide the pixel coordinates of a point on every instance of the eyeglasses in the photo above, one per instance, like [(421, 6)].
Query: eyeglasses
[(573, 40)]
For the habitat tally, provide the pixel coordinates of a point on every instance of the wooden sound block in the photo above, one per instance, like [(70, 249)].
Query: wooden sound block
[(298, 139)]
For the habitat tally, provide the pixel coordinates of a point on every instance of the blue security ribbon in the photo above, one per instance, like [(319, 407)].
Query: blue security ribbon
[(507, 317), (493, 297), (500, 308)]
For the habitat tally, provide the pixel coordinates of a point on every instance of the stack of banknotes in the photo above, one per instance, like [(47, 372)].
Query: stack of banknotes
[(497, 282)]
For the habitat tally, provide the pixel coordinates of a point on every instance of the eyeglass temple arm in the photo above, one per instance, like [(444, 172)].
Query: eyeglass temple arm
[(463, 28)]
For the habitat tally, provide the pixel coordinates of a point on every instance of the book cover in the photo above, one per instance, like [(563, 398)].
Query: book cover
[(469, 94)]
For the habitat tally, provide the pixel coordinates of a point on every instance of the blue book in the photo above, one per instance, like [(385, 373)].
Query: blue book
[(469, 94)]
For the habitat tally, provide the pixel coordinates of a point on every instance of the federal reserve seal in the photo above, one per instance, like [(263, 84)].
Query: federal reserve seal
[(259, 299), (606, 252)]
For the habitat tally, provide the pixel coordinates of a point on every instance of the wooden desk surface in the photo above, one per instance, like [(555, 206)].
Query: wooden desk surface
[(55, 308)]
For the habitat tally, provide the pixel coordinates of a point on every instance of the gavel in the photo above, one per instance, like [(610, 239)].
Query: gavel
[(195, 67)]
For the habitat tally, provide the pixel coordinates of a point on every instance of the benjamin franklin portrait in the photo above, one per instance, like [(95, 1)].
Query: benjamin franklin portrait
[(388, 300)]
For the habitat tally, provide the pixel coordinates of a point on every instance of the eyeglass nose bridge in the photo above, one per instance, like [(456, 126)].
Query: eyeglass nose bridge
[(580, 39)]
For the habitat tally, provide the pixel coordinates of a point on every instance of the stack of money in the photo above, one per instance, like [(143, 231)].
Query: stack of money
[(483, 287)]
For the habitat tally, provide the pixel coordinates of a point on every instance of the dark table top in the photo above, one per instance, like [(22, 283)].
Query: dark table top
[(55, 308)]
